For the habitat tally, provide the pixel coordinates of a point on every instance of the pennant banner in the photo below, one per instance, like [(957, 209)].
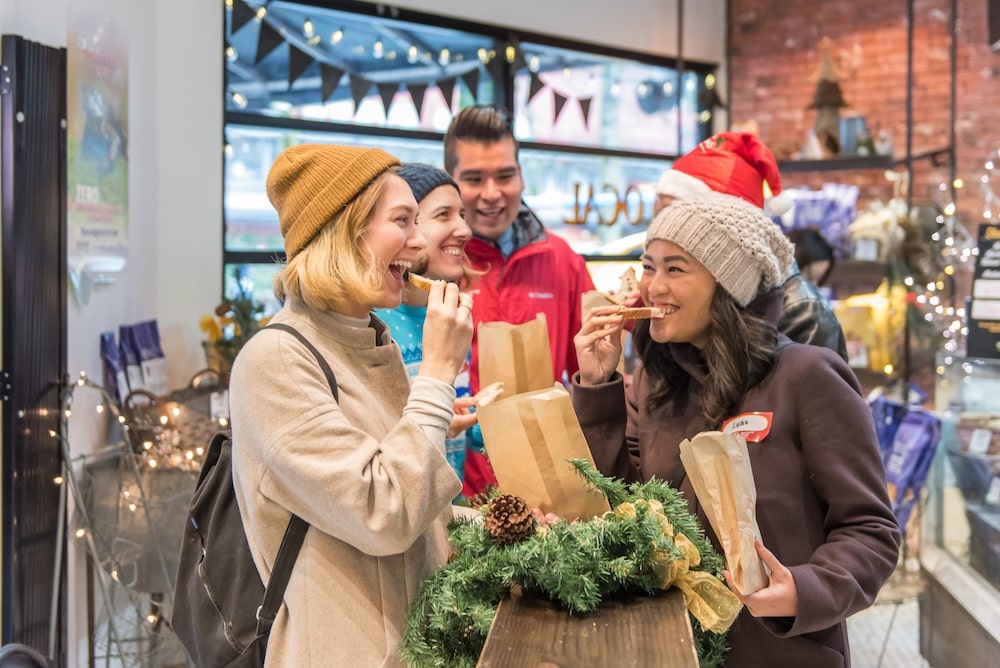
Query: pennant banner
[(536, 85), (330, 77), (298, 62), (242, 15), (471, 80), (359, 88), (585, 109), (447, 87), (387, 91), (709, 98), (560, 102), (417, 91), (267, 41)]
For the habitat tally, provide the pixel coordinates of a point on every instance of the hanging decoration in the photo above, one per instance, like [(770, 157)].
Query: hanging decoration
[(471, 80), (268, 39), (359, 89), (387, 91), (330, 77), (585, 109), (242, 14), (559, 101), (298, 62), (447, 87), (417, 91), (535, 86)]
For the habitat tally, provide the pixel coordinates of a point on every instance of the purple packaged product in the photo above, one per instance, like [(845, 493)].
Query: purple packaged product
[(888, 415), (130, 357), (115, 379), (146, 337), (909, 461)]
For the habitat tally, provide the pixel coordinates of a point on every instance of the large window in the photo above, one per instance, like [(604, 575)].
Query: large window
[(596, 127)]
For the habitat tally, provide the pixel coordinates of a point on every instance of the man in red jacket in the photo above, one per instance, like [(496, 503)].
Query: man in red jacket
[(527, 270)]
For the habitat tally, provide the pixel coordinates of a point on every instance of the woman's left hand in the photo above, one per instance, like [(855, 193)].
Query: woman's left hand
[(464, 417), (779, 598)]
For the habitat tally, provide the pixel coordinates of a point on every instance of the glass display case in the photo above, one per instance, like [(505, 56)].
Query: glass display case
[(961, 546)]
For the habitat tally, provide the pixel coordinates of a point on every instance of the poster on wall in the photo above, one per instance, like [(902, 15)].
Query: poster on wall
[(984, 312), (96, 150)]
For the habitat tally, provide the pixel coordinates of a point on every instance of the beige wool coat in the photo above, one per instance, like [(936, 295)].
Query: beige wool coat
[(368, 474)]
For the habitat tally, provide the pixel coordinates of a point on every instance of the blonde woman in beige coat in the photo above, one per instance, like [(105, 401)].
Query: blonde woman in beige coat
[(369, 473)]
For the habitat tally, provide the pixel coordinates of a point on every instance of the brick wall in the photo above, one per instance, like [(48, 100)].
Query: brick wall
[(773, 57)]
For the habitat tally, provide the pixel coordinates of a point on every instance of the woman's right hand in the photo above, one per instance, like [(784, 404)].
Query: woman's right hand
[(447, 332), (599, 344)]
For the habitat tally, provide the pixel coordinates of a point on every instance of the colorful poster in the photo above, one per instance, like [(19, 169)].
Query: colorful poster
[(97, 149)]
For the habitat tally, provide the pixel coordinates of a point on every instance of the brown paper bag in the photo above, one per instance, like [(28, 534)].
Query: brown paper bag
[(516, 355), (530, 439), (718, 467)]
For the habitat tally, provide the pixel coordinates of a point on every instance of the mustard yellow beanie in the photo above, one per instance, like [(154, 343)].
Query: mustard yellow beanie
[(309, 183)]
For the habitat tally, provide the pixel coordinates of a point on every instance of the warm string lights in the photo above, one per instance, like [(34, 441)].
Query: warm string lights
[(956, 251)]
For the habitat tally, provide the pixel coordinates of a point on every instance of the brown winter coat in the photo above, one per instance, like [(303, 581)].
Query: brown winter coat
[(822, 504)]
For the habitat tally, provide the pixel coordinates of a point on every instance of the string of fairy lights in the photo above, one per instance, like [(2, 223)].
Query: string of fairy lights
[(147, 443)]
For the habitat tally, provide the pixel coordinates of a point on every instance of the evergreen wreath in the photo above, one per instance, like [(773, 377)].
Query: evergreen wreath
[(627, 551)]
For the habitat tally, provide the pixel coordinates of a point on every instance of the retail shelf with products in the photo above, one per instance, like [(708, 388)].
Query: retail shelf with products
[(961, 545)]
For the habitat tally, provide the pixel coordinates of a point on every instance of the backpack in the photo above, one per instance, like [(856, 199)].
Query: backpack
[(222, 611)]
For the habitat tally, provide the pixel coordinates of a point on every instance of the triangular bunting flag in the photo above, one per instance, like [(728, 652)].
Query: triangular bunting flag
[(709, 99), (585, 109), (298, 62), (417, 91), (359, 88), (447, 87), (471, 80), (560, 102), (536, 85), (387, 91), (267, 41), (242, 15), (330, 77)]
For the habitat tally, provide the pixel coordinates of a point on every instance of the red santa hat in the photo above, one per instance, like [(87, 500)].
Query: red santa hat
[(733, 163)]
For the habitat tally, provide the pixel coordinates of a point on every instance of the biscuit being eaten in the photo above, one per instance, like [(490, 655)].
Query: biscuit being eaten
[(489, 394), (419, 281), (641, 312)]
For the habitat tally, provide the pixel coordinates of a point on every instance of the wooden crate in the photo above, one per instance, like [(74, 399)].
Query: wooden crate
[(638, 632)]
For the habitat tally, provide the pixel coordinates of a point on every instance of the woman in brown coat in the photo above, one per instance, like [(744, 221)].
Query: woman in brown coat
[(829, 536)]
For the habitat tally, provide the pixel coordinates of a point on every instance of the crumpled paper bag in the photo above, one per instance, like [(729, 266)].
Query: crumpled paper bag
[(718, 466)]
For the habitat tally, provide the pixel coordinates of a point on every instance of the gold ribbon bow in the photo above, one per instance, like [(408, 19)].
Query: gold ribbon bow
[(706, 597)]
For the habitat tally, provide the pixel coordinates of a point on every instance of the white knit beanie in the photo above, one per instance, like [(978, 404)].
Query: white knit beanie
[(745, 252)]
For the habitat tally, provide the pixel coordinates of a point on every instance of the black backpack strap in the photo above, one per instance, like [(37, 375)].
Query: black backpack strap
[(295, 533)]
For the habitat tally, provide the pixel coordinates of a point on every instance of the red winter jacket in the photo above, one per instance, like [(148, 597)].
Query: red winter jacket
[(543, 275)]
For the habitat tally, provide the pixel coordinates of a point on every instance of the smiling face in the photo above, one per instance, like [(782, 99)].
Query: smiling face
[(490, 181), (394, 241), (441, 219), (676, 282)]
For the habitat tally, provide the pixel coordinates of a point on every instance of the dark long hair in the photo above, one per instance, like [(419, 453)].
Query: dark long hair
[(738, 353)]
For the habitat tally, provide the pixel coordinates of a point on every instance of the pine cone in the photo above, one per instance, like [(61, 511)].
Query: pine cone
[(508, 519), (481, 499)]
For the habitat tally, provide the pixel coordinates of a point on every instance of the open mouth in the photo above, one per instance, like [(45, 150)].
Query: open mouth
[(398, 269)]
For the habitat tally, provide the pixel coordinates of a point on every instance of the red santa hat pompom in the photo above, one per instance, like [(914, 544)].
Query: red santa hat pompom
[(737, 164)]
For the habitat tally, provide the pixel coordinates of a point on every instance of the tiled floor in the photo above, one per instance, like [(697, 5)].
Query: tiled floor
[(887, 635)]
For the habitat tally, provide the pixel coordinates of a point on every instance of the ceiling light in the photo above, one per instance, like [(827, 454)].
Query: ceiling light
[(511, 53), (445, 56), (261, 13), (377, 49), (231, 54), (307, 28), (534, 63), (412, 54), (336, 36)]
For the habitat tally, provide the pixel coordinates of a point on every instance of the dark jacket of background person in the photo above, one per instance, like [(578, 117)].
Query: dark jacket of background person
[(808, 317)]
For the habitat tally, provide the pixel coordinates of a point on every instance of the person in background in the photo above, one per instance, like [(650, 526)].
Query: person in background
[(441, 220), (367, 472), (829, 537), (527, 270), (813, 254), (739, 164)]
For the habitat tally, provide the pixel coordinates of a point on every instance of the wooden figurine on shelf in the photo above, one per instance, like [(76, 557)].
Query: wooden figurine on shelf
[(828, 99)]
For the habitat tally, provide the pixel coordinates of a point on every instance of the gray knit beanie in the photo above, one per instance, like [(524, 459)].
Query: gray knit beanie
[(742, 248), (424, 178)]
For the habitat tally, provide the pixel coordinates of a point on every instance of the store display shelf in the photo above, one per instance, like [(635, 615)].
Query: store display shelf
[(839, 163)]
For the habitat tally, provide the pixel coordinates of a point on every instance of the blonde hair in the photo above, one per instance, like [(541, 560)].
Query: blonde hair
[(337, 266)]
